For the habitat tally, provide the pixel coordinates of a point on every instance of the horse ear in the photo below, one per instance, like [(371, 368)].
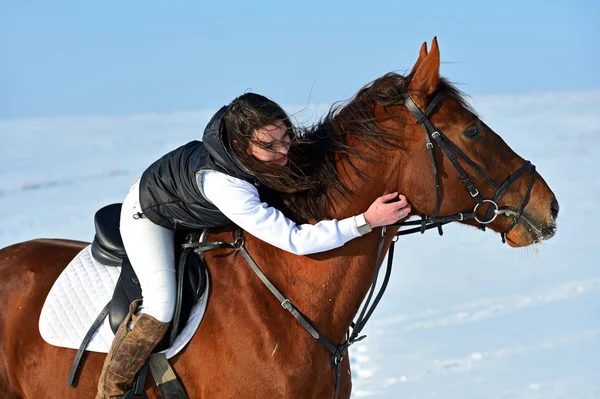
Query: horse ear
[(427, 71), (422, 55)]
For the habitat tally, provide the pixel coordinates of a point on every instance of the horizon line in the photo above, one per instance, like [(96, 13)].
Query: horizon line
[(296, 108)]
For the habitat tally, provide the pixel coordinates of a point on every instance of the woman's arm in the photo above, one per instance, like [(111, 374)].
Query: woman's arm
[(239, 201)]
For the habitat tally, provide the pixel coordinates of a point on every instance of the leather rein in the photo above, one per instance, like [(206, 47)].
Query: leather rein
[(338, 352)]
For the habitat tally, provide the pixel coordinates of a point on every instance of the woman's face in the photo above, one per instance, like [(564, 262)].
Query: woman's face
[(276, 143)]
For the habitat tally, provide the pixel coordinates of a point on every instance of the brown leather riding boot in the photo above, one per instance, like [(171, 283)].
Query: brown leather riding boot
[(129, 351)]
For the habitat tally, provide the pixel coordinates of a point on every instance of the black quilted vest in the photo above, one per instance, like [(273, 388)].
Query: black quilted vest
[(170, 189)]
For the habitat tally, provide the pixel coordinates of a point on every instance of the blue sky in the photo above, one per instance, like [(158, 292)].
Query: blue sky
[(109, 57)]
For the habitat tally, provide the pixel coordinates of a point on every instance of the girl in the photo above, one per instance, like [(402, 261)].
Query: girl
[(213, 183)]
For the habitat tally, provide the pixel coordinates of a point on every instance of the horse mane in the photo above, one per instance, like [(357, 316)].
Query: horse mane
[(335, 137)]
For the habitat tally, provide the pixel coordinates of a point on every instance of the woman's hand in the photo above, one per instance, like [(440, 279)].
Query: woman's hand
[(383, 212)]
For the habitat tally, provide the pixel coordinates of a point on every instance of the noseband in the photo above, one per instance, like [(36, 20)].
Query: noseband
[(452, 151)]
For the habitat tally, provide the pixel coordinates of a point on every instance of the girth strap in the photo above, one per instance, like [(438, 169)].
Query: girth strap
[(168, 384)]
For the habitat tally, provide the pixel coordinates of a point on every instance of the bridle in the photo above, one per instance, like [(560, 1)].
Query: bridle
[(450, 149)]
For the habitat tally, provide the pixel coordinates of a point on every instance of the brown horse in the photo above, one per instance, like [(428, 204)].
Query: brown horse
[(247, 345)]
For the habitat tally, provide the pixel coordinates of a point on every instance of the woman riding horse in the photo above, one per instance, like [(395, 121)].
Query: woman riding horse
[(248, 346), (209, 184)]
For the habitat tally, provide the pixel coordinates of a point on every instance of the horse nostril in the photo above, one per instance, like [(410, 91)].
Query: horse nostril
[(554, 208)]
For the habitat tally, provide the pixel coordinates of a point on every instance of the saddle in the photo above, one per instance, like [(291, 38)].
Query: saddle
[(107, 248)]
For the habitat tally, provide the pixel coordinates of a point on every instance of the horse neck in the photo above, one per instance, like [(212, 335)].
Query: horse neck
[(354, 266), (334, 284)]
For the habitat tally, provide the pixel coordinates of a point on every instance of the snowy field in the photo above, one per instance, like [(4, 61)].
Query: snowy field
[(463, 317)]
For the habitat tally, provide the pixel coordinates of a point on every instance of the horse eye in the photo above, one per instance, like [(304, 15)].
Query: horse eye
[(472, 131)]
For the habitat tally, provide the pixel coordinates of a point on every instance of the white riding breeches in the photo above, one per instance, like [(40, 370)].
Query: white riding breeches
[(150, 249)]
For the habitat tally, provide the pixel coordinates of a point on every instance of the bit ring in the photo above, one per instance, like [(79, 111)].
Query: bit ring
[(496, 213)]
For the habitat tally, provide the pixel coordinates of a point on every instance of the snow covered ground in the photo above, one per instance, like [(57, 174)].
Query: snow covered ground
[(463, 317)]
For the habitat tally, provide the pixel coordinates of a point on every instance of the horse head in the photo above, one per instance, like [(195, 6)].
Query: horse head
[(425, 141), (511, 186)]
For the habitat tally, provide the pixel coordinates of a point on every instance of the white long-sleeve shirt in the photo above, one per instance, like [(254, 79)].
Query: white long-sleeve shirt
[(240, 202)]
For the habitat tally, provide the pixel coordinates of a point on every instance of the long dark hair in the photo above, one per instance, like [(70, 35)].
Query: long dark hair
[(250, 112)]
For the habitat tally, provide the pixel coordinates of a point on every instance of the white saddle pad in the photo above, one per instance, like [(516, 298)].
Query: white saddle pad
[(79, 295)]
